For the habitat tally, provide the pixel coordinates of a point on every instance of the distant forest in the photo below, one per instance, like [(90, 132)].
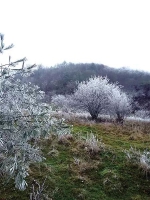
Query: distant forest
[(63, 79)]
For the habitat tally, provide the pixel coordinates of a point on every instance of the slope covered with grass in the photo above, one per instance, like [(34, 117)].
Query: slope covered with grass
[(90, 163)]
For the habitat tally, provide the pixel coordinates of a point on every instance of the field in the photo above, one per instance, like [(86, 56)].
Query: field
[(90, 163)]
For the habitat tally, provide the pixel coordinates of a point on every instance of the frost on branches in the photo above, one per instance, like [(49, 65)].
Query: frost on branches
[(65, 103), (61, 101), (23, 117), (93, 96), (120, 105), (97, 96)]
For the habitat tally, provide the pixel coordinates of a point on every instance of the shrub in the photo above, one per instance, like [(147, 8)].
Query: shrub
[(120, 104), (142, 159), (93, 145), (96, 96), (23, 120)]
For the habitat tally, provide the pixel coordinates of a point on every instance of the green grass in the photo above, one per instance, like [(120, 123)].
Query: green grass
[(108, 175)]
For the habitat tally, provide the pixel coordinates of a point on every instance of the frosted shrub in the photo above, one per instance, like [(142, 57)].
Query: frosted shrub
[(133, 154), (22, 117), (62, 102), (97, 96), (120, 104), (64, 137), (144, 114), (92, 96), (145, 162), (23, 120), (92, 144), (142, 159)]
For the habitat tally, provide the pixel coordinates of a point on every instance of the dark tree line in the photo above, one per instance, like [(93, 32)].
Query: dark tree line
[(142, 97)]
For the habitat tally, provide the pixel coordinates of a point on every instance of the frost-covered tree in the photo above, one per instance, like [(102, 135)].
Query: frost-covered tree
[(97, 96), (60, 101), (93, 95), (120, 104), (64, 102), (23, 117)]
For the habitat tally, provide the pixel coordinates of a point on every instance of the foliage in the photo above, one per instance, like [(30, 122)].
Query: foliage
[(142, 159), (63, 78), (93, 145), (73, 174), (120, 104), (93, 96), (96, 96), (61, 101), (23, 117), (23, 120)]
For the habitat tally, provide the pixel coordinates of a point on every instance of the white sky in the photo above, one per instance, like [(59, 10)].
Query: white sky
[(112, 32)]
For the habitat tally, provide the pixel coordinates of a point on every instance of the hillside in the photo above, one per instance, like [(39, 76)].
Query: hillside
[(73, 170), (63, 78)]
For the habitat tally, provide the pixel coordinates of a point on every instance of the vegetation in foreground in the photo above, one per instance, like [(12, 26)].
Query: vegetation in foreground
[(93, 161), (90, 163)]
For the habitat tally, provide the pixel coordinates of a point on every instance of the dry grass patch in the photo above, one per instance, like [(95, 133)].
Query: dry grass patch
[(53, 153), (81, 166), (136, 136), (65, 139)]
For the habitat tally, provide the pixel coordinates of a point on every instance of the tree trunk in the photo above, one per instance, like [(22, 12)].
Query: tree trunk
[(119, 119), (94, 116)]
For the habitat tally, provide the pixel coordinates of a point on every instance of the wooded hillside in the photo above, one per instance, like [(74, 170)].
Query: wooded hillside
[(63, 78)]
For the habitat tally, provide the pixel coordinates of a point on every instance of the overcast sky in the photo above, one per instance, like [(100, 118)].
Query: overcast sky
[(112, 32)]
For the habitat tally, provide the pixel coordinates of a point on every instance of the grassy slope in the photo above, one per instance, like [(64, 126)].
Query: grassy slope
[(73, 173)]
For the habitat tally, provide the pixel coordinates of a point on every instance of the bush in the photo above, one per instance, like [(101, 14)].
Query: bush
[(96, 96), (142, 159), (23, 120)]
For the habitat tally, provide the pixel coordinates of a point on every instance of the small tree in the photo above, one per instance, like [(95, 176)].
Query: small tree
[(22, 117), (120, 104), (93, 96), (97, 96), (60, 101)]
